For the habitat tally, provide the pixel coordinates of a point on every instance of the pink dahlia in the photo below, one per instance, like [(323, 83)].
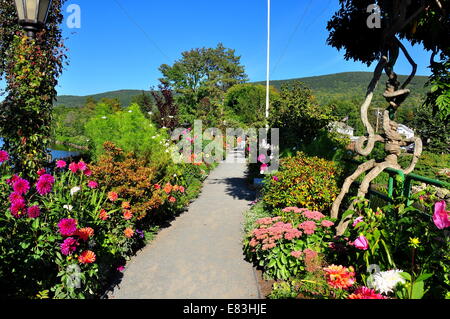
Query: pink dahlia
[(21, 186), (4, 156), (15, 198), (18, 209), (366, 293), (61, 164), (92, 184), (87, 172), (69, 246), (45, 184), (67, 226), (82, 166), (34, 212), (73, 167)]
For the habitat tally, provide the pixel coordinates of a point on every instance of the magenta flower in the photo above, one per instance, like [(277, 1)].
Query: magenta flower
[(275, 178), (261, 158), (34, 212), (69, 246), (15, 198), (361, 243), (18, 209), (121, 268), (21, 186), (88, 172), (92, 184), (67, 226), (73, 167), (441, 216), (358, 220), (82, 166), (61, 164), (264, 167), (4, 156), (45, 184)]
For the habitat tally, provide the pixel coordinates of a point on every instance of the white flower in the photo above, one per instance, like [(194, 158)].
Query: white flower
[(68, 207), (150, 113), (104, 117), (130, 111), (153, 137), (174, 175), (74, 190), (170, 117), (386, 281)]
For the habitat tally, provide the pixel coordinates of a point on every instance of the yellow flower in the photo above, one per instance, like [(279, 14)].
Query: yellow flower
[(414, 242)]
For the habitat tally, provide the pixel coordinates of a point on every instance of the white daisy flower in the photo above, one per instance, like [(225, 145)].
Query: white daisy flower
[(68, 207), (386, 281)]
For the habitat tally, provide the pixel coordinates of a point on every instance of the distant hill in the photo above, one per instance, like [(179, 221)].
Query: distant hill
[(349, 85), (353, 85), (125, 97)]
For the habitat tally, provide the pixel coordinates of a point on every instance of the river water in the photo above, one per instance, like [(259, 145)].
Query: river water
[(56, 154)]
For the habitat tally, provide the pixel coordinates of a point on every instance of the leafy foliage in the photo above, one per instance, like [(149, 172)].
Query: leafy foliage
[(299, 117), (303, 181), (201, 77)]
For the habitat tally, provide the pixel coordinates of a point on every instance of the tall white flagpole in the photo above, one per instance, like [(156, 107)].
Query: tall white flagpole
[(268, 64)]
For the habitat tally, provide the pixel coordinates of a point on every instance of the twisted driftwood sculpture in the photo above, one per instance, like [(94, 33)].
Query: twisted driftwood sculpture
[(395, 94)]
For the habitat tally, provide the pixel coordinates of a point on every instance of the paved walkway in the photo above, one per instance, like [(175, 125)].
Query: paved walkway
[(200, 255)]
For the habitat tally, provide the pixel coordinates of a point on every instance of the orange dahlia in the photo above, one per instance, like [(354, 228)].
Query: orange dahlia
[(85, 233), (168, 188), (113, 196), (127, 214), (126, 205), (128, 232), (87, 257), (103, 215), (339, 276)]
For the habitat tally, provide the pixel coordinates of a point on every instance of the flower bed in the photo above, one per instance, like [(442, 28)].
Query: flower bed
[(395, 251), (65, 234)]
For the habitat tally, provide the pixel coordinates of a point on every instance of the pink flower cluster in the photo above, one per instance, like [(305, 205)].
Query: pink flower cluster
[(272, 230), (313, 215), (18, 206), (75, 167), (294, 210), (309, 227)]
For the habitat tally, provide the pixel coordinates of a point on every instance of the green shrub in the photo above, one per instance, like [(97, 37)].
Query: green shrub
[(302, 181), (129, 130)]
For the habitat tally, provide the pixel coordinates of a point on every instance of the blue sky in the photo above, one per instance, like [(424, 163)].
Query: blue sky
[(121, 44)]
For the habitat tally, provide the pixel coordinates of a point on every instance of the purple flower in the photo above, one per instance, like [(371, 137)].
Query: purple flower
[(261, 158), (275, 178), (140, 233)]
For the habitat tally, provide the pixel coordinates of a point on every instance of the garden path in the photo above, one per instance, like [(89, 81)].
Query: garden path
[(200, 255)]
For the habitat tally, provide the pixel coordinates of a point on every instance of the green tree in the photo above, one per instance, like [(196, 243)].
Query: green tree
[(247, 103), (203, 73), (299, 117), (434, 130)]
